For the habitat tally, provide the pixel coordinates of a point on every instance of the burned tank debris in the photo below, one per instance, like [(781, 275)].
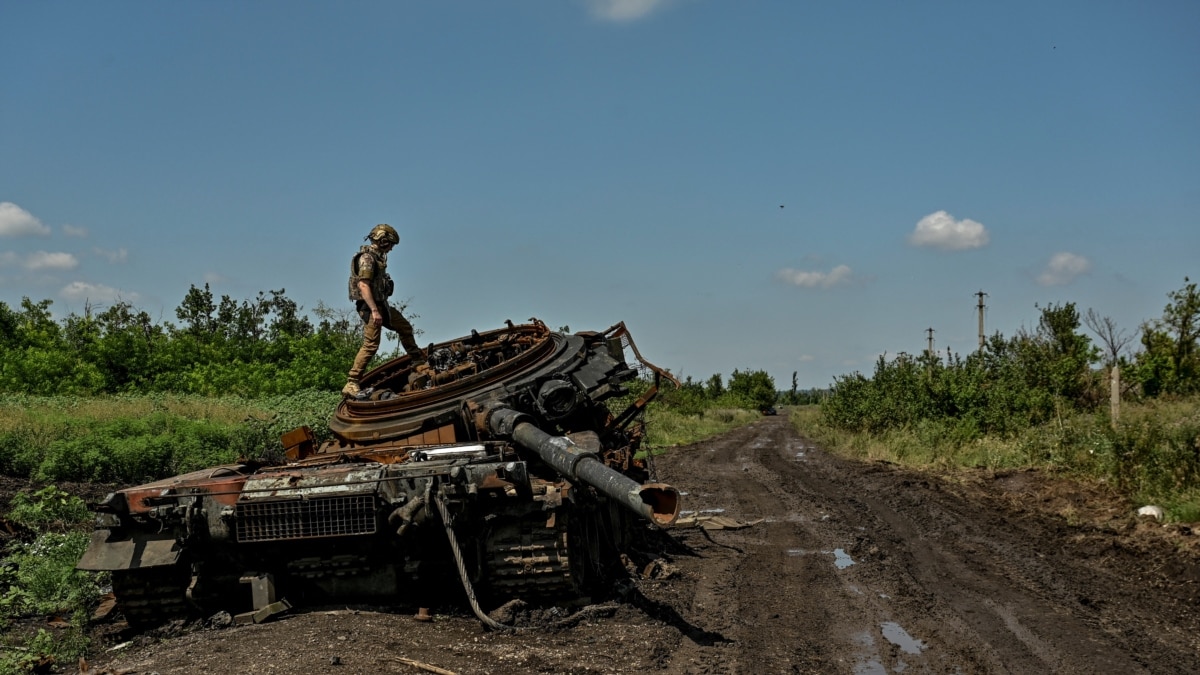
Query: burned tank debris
[(494, 471)]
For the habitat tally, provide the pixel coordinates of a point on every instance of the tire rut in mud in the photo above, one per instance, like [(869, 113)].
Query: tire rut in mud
[(938, 580)]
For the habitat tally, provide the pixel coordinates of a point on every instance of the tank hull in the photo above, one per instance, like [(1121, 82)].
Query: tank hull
[(495, 471)]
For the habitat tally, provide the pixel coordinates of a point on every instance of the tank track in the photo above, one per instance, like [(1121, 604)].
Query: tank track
[(152, 595), (527, 559)]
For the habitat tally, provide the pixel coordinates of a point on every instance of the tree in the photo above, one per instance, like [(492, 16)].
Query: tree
[(196, 311), (1065, 354), (1114, 340), (9, 322), (714, 388), (755, 388), (1169, 361)]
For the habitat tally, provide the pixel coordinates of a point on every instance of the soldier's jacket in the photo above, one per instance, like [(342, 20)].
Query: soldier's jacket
[(370, 265)]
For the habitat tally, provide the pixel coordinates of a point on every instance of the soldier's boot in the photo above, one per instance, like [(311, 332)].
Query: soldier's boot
[(417, 356), (351, 389)]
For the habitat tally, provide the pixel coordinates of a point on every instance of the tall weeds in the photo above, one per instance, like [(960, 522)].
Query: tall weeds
[(129, 439), (1153, 455)]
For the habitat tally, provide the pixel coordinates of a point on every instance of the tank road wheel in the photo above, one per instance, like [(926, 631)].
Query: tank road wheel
[(151, 596), (526, 559)]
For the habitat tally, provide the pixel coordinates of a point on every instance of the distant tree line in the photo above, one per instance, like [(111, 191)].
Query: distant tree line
[(1029, 378), (258, 347), (748, 389)]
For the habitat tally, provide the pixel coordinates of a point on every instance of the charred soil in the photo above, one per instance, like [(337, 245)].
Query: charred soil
[(847, 568)]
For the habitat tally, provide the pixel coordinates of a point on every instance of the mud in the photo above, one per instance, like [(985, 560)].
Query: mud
[(855, 568)]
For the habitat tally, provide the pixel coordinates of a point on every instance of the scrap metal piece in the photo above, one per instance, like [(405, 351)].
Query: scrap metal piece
[(261, 615), (262, 589)]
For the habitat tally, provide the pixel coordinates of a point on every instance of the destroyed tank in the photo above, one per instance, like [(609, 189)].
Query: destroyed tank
[(494, 471)]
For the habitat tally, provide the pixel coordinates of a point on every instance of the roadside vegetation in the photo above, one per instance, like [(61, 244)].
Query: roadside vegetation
[(695, 411), (1039, 399), (47, 532)]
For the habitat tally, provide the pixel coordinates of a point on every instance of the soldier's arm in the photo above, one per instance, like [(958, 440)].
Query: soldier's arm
[(366, 271), (365, 289)]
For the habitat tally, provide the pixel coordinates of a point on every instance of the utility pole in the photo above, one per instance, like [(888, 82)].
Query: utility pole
[(929, 354), (981, 296)]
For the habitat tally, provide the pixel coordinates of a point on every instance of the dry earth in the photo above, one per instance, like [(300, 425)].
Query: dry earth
[(854, 568)]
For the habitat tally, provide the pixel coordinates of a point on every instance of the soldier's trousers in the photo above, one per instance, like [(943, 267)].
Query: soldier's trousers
[(372, 335)]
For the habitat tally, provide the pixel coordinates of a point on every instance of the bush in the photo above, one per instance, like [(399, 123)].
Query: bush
[(48, 508), (38, 578)]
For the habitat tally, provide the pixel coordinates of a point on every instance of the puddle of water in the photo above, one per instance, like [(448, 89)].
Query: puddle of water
[(900, 666), (868, 659), (712, 510), (795, 552), (686, 512), (842, 559), (895, 634), (683, 493), (885, 596), (799, 455)]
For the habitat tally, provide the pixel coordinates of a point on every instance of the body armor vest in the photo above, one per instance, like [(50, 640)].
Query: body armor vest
[(379, 281)]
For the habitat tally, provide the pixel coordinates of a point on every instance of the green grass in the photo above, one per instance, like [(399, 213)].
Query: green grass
[(666, 428), (128, 439), (18, 411), (1152, 456)]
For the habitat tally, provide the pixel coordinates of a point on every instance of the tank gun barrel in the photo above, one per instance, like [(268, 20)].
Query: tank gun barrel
[(655, 502)]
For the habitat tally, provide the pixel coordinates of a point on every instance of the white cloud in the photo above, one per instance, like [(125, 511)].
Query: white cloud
[(72, 231), (941, 230), (17, 222), (806, 358), (81, 291), (624, 10), (838, 276), (214, 278), (41, 260), (115, 257), (8, 258), (1063, 268)]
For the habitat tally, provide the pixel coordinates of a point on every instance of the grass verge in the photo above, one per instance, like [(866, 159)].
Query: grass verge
[(667, 428), (129, 439), (1152, 455)]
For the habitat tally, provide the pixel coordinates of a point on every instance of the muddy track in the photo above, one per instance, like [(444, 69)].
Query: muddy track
[(854, 568)]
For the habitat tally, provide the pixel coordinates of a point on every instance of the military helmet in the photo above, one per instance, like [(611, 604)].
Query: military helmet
[(384, 232)]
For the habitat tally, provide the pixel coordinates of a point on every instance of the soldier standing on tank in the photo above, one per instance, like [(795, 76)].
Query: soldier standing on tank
[(370, 288)]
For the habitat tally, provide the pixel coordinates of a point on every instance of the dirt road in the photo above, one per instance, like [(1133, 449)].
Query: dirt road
[(854, 568)]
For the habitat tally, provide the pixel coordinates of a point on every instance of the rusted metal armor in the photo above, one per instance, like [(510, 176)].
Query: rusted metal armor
[(496, 470)]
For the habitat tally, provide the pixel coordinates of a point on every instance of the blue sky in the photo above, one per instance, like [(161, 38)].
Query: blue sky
[(780, 185)]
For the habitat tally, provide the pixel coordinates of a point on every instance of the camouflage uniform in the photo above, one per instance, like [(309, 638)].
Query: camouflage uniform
[(370, 265)]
